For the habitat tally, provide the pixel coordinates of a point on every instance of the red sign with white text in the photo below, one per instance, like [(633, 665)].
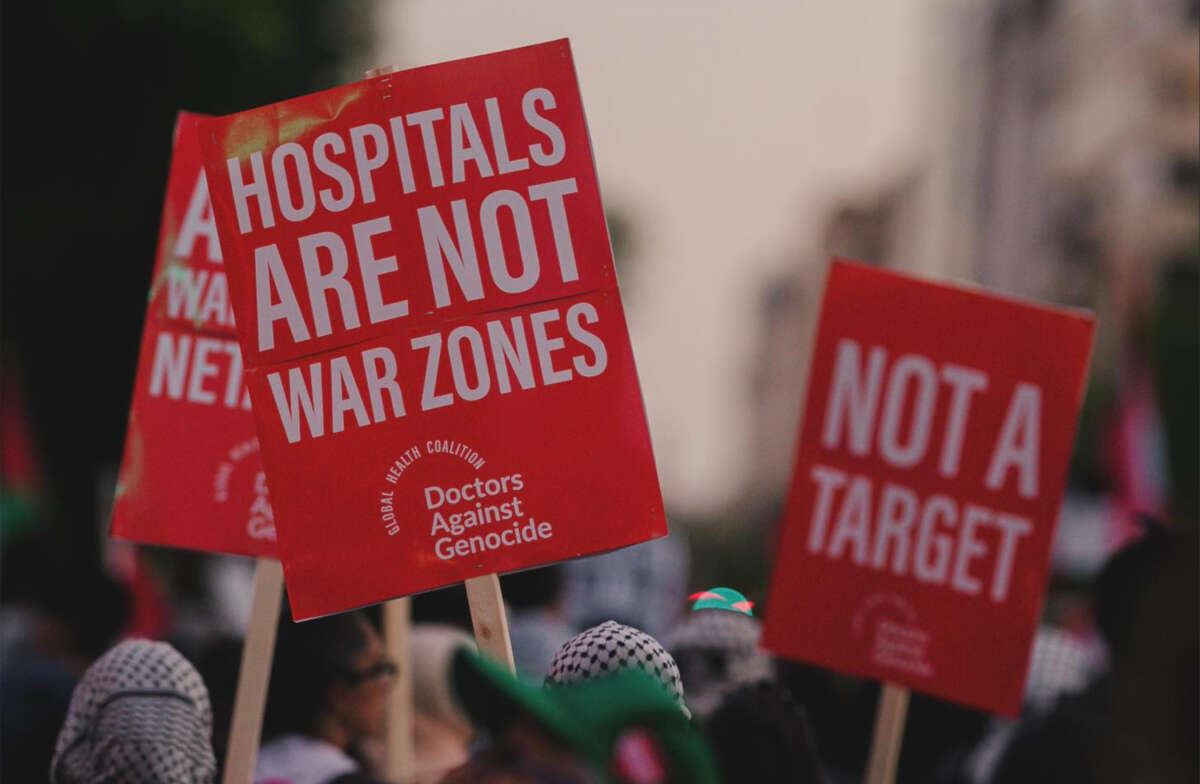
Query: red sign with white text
[(434, 340), (192, 475), (931, 463)]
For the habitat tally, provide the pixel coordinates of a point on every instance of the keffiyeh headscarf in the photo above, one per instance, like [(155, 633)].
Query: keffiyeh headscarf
[(717, 650), (605, 649), (140, 715)]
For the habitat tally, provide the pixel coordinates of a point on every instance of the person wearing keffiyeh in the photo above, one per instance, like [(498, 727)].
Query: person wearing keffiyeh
[(716, 648), (139, 715)]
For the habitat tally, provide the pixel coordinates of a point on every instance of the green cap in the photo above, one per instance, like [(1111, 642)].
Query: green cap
[(600, 719), (722, 599)]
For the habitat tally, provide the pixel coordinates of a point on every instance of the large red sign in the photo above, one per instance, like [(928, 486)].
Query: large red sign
[(434, 340), (931, 463), (192, 475)]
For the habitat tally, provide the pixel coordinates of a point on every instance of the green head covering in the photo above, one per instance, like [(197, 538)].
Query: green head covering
[(722, 599), (604, 720)]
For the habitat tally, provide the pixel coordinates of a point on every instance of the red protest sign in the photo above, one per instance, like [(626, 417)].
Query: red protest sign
[(191, 475), (931, 463), (434, 340)]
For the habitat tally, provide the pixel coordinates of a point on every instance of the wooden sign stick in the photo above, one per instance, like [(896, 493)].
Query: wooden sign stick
[(245, 728), (489, 619), (399, 762), (889, 732)]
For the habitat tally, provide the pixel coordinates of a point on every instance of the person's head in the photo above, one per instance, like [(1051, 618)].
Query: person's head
[(716, 648), (431, 650), (1121, 589), (611, 647), (329, 679), (622, 728), (1148, 608), (442, 732), (139, 714), (758, 733)]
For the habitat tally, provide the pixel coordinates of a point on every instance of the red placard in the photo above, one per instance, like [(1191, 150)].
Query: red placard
[(434, 340), (192, 475), (930, 467)]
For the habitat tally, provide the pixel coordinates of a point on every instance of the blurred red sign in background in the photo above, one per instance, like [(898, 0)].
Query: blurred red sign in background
[(191, 475)]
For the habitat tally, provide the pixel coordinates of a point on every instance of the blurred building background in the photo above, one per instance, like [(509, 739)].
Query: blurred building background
[(1060, 165), (719, 132)]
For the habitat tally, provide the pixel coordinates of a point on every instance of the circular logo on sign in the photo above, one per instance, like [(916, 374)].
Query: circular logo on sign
[(239, 479)]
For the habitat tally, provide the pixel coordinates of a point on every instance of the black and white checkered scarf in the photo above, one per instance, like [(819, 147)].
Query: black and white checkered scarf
[(609, 647), (140, 715)]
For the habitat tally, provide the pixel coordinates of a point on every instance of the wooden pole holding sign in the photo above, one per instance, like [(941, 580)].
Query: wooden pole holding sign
[(245, 728), (399, 765), (489, 619), (889, 732)]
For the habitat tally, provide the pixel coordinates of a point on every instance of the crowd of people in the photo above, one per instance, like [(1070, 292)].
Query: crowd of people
[(610, 703)]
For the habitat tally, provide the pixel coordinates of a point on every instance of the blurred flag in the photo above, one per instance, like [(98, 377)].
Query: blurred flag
[(1136, 459), (21, 480)]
